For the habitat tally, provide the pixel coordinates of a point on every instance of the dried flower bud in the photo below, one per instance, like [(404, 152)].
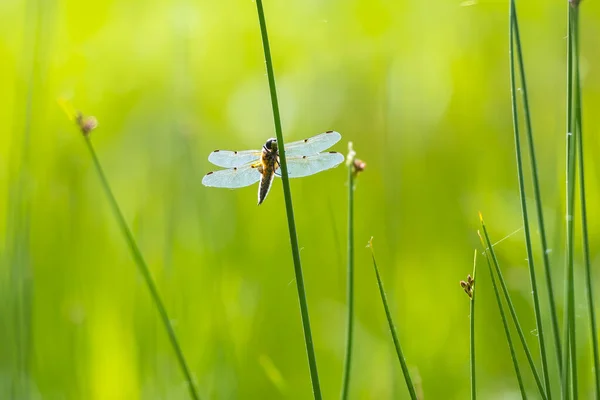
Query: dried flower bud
[(86, 124), (358, 166)]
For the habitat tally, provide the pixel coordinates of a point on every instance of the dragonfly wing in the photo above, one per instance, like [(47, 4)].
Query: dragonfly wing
[(230, 159), (313, 145), (233, 178), (299, 166)]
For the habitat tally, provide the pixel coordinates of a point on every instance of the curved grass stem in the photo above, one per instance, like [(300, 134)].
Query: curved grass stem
[(388, 314), (287, 194), (144, 270)]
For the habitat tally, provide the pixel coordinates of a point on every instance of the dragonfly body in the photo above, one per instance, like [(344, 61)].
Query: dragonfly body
[(269, 162), (244, 168)]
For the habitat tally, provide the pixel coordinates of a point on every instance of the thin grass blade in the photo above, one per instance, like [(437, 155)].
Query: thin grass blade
[(350, 287), (388, 314), (582, 194), (144, 270), (287, 194), (505, 325), (490, 248), (472, 334), (514, 39), (569, 319)]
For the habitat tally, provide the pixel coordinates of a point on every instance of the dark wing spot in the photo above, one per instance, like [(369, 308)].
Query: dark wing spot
[(329, 132), (235, 152), (303, 156), (216, 151), (235, 168), (209, 173), (253, 166), (305, 140), (333, 152)]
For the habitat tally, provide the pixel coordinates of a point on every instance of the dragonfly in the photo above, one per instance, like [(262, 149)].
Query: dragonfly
[(244, 168)]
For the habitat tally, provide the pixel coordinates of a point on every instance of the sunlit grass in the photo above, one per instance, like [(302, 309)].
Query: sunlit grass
[(289, 208), (18, 228), (409, 383), (569, 338), (45, 215), (86, 126), (469, 288), (350, 270), (515, 40), (489, 249), (511, 346), (574, 34)]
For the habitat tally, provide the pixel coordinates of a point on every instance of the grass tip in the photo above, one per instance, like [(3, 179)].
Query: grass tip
[(370, 243), (358, 166)]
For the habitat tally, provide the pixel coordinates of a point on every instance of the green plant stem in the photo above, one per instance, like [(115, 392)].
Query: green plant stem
[(472, 334), (569, 320), (582, 194), (513, 313), (506, 329), (287, 194), (388, 314), (514, 38), (567, 377), (144, 270), (350, 293)]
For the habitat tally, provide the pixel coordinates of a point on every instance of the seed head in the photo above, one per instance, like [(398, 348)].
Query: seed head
[(468, 286), (86, 124)]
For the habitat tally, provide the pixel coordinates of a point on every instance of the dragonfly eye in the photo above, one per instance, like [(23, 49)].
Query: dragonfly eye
[(271, 144)]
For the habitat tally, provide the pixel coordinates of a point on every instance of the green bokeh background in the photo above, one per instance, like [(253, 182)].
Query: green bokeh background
[(422, 90)]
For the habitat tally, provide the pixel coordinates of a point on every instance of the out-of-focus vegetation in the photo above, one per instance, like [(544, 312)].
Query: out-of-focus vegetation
[(421, 88)]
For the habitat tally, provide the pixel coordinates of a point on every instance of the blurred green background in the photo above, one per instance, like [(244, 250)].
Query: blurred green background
[(422, 90)]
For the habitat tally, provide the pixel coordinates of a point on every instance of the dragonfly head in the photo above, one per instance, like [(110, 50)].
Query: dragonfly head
[(271, 145)]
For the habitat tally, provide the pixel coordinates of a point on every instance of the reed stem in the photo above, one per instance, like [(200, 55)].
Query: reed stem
[(287, 194), (144, 270)]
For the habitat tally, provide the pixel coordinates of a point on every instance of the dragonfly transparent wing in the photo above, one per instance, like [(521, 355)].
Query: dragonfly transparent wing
[(230, 159), (233, 178), (312, 145), (299, 166)]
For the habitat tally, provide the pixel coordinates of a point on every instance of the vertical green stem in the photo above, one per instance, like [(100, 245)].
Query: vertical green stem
[(388, 314), (506, 329), (514, 38), (350, 293), (144, 270), (569, 321), (584, 229), (472, 335), (287, 194)]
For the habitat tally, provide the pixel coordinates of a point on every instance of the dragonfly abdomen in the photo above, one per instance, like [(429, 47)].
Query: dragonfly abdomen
[(268, 161)]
